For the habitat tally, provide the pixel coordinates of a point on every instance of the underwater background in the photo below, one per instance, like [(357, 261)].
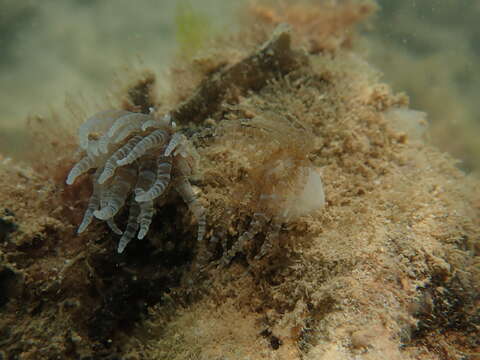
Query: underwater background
[(301, 198), (51, 49)]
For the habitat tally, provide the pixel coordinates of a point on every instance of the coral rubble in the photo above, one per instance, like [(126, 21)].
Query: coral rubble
[(334, 230)]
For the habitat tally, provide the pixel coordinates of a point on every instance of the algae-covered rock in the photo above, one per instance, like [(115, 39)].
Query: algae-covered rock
[(334, 230)]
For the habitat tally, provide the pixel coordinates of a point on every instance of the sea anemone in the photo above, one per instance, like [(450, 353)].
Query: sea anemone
[(137, 158)]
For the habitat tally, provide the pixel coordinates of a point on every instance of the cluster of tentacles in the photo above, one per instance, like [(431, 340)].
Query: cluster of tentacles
[(137, 158)]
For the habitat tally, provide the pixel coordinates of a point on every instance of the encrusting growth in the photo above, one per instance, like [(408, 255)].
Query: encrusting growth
[(134, 166)]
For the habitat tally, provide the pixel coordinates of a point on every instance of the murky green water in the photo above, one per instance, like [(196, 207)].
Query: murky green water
[(429, 49)]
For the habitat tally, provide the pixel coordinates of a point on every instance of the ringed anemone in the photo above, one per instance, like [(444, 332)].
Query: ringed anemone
[(137, 158)]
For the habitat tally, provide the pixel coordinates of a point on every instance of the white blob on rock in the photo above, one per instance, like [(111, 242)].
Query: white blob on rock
[(311, 198), (411, 122)]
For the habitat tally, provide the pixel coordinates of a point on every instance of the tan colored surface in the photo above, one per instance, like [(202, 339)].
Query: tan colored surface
[(388, 269)]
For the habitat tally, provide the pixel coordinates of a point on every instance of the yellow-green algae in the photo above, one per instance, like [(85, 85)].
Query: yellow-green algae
[(193, 28)]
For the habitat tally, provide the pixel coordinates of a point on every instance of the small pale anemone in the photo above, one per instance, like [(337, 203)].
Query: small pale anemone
[(137, 158)]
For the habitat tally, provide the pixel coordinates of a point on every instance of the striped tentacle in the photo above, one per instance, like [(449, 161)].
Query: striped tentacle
[(93, 204), (80, 168), (99, 122), (132, 227), (113, 226), (163, 122), (145, 218), (146, 178), (176, 140), (111, 163), (164, 168), (114, 196), (156, 138)]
